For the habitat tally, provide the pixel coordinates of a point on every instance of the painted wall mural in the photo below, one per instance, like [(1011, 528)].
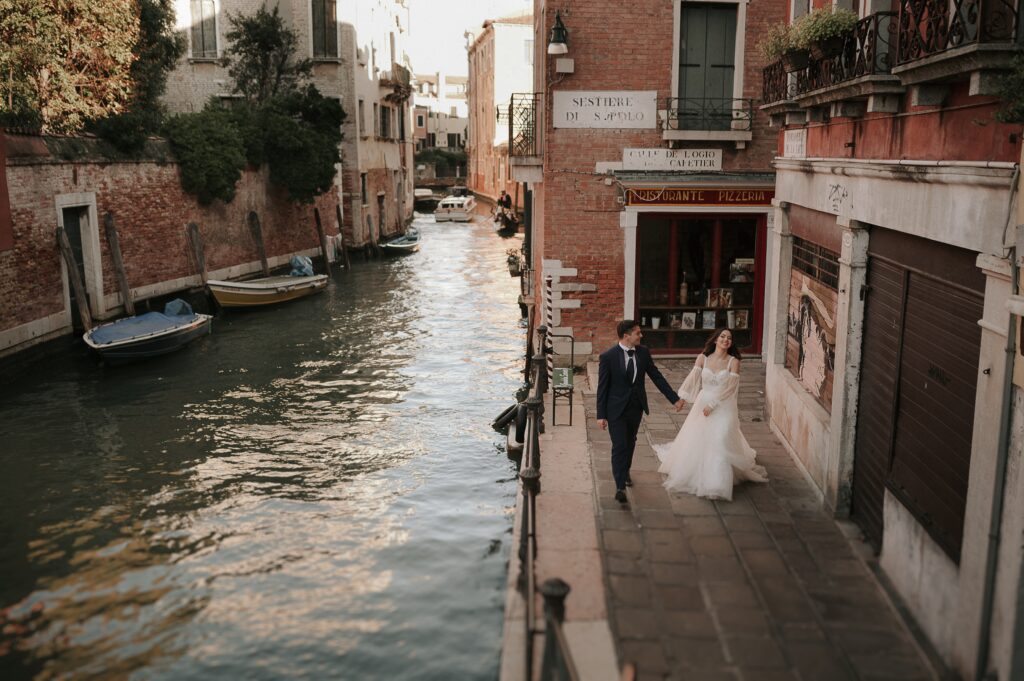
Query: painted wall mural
[(811, 345)]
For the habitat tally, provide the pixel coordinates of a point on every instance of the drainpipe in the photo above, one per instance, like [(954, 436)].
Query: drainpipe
[(1002, 458)]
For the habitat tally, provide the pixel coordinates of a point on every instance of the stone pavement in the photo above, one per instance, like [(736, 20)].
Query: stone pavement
[(763, 588)]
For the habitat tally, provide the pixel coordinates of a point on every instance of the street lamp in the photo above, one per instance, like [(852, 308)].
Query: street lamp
[(559, 37)]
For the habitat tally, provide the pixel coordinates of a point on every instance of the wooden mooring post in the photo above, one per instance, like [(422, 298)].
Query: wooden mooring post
[(115, 255), (75, 277), (257, 235), (341, 236), (196, 239), (323, 241)]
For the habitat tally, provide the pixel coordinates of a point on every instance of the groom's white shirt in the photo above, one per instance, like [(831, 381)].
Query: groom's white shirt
[(625, 360)]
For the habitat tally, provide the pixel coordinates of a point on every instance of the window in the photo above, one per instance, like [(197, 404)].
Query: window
[(420, 121), (528, 48), (204, 29), (707, 53), (376, 118), (362, 187), (401, 123), (385, 122), (453, 140), (817, 261), (431, 140), (325, 29), (362, 118)]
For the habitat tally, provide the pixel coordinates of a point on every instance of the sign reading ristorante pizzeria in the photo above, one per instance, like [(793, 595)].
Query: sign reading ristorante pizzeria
[(700, 196), (605, 109)]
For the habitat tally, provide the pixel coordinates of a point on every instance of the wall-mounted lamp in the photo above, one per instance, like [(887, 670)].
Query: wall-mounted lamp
[(559, 37)]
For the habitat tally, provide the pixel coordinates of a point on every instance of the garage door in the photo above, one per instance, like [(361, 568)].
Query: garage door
[(918, 385)]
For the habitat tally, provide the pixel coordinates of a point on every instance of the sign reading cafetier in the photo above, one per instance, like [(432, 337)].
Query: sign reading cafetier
[(671, 159), (605, 109)]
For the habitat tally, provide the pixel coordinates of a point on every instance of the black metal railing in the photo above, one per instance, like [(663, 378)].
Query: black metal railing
[(708, 113), (523, 121), (927, 27), (556, 659), (868, 49), (774, 83)]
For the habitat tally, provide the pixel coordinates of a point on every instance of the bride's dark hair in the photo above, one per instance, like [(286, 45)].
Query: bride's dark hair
[(709, 347)]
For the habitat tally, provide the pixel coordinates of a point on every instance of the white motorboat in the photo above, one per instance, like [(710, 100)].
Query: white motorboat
[(455, 209)]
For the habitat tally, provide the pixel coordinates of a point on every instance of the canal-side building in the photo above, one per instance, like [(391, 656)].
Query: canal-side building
[(48, 182), (650, 170), (358, 57), (500, 64), (441, 93), (889, 302)]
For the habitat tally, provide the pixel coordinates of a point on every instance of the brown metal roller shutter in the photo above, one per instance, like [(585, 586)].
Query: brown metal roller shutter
[(882, 320), (918, 384)]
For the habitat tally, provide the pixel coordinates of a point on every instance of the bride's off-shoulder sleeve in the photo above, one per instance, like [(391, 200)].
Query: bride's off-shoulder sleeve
[(691, 386)]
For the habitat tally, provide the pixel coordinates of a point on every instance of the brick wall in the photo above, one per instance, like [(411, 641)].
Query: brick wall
[(150, 211), (581, 212)]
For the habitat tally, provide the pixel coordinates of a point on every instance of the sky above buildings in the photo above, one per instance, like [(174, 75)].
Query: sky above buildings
[(437, 27)]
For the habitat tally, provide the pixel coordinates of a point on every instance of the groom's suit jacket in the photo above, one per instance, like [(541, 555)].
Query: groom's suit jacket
[(614, 387)]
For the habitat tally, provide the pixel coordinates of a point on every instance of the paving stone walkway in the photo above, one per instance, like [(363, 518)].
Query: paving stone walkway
[(763, 588)]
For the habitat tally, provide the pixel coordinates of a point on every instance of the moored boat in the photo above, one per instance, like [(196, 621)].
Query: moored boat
[(407, 243), (424, 199), (147, 335), (455, 209), (265, 290)]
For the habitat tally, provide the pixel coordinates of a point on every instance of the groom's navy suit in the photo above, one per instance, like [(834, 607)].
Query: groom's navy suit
[(622, 401)]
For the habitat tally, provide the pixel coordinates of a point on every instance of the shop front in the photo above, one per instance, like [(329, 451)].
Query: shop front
[(699, 264)]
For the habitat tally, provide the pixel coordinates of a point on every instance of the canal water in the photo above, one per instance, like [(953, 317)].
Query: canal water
[(313, 491)]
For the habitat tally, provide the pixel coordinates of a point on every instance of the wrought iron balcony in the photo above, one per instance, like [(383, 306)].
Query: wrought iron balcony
[(708, 113), (523, 119), (867, 50), (928, 27)]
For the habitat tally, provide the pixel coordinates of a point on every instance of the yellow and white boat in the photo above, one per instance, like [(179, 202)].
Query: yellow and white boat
[(266, 290)]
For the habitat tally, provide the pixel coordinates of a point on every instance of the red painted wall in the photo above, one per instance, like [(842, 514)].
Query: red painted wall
[(964, 129)]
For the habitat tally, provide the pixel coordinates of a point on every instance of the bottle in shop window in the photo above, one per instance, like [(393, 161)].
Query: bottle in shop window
[(684, 290)]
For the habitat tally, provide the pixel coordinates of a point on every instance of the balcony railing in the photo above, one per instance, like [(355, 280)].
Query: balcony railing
[(867, 50), (708, 113), (927, 27), (523, 133)]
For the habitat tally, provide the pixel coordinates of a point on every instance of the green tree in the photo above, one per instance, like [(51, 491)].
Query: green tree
[(66, 61), (1011, 91), (209, 151), (261, 56), (157, 50)]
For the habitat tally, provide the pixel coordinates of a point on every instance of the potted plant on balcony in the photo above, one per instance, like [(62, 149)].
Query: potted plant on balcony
[(824, 30), (780, 44)]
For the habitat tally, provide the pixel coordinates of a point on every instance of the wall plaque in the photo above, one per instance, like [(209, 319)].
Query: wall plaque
[(671, 159), (605, 109), (699, 196), (794, 143)]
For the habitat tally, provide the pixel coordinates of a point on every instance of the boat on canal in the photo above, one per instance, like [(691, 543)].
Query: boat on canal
[(265, 290), (403, 245), (148, 335), (424, 199), (455, 209), (299, 283)]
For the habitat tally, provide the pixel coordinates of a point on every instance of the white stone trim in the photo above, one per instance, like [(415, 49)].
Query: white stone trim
[(92, 256), (36, 331)]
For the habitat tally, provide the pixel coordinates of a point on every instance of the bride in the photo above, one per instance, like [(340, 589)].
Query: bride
[(710, 453)]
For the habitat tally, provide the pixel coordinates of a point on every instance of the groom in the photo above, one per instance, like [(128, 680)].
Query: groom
[(622, 398)]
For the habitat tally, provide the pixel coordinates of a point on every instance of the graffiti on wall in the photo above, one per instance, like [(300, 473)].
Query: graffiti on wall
[(812, 329)]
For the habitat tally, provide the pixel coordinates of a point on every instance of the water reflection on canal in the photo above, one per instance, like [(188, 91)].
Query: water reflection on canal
[(311, 492)]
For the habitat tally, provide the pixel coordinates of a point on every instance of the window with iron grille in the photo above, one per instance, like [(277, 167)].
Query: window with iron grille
[(816, 261), (204, 29), (325, 29)]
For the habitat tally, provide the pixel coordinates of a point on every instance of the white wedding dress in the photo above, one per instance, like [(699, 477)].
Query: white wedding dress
[(710, 454)]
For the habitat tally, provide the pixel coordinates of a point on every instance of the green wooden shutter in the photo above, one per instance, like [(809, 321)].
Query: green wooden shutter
[(204, 29), (706, 66)]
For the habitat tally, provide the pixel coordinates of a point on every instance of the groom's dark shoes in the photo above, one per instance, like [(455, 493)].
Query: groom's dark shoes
[(620, 496)]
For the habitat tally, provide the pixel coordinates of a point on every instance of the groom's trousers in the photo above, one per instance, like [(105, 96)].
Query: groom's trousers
[(623, 432)]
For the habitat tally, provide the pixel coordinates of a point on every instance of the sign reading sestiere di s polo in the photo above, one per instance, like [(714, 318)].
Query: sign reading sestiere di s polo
[(605, 109)]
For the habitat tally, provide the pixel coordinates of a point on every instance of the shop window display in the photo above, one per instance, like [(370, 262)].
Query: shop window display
[(696, 274)]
